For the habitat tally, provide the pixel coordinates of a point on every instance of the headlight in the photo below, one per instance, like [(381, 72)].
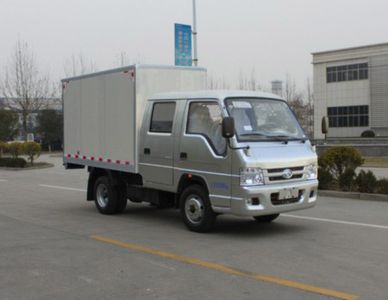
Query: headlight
[(311, 172), (251, 176)]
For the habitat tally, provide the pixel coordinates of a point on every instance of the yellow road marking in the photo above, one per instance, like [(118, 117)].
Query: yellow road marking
[(228, 270)]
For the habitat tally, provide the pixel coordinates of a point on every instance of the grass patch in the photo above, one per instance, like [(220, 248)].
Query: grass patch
[(376, 162)]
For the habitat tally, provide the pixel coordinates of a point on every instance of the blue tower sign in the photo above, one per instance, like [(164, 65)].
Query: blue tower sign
[(183, 56)]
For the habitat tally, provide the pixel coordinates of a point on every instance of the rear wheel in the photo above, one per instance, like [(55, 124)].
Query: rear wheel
[(196, 210), (109, 199), (266, 219)]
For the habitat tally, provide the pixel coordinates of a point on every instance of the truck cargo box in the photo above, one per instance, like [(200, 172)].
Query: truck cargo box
[(103, 111)]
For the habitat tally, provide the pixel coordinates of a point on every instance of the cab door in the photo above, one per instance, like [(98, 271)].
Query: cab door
[(202, 150), (157, 150)]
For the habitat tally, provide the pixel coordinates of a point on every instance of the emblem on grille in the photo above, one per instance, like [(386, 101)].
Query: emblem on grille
[(287, 174)]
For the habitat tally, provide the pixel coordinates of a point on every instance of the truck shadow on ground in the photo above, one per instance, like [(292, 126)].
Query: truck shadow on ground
[(225, 225)]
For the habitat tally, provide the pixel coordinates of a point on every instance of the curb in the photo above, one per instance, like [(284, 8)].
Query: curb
[(48, 165), (354, 195)]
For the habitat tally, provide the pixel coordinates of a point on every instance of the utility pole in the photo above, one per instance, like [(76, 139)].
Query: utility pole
[(194, 31)]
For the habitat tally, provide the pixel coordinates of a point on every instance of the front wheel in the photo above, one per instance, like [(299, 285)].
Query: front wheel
[(266, 219), (196, 210)]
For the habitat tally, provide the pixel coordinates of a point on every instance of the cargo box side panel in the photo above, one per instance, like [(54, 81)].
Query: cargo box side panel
[(92, 143), (120, 119)]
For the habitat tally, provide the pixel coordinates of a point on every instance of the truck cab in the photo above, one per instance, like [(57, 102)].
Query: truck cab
[(227, 152)]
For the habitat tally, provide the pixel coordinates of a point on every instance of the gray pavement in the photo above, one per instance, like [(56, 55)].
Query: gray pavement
[(47, 250)]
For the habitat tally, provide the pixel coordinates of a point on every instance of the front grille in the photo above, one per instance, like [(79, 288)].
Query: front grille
[(295, 176), (277, 174), (282, 169)]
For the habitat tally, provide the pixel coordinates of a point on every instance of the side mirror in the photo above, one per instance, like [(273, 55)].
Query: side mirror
[(228, 127), (324, 127)]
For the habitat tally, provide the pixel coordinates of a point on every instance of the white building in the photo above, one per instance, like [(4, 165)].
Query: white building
[(351, 90)]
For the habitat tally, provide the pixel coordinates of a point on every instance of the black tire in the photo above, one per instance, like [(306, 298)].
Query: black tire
[(196, 210), (122, 199), (266, 219), (109, 199)]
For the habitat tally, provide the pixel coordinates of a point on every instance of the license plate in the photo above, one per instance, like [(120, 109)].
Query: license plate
[(288, 194)]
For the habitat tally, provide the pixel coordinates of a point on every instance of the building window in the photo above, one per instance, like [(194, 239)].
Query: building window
[(347, 73), (348, 116)]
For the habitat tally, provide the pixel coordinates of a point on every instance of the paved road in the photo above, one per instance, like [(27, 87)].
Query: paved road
[(53, 244)]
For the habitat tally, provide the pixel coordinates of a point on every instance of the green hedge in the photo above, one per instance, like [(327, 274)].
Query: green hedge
[(382, 186), (11, 162), (15, 149), (337, 168)]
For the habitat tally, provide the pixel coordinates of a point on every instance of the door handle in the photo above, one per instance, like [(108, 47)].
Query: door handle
[(147, 151), (183, 155)]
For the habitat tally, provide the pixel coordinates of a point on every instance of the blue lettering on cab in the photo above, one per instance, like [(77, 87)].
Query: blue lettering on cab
[(220, 185)]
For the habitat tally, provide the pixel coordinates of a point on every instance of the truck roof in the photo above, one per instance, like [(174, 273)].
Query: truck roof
[(131, 67), (213, 94)]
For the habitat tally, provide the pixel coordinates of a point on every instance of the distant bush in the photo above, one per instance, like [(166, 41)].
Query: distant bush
[(346, 180), (368, 134), (11, 162), (382, 186), (338, 159), (366, 182), (32, 150), (325, 179), (3, 148), (15, 149)]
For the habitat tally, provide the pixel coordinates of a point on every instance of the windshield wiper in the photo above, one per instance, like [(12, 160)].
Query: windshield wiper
[(253, 133), (275, 137), (287, 138), (283, 138)]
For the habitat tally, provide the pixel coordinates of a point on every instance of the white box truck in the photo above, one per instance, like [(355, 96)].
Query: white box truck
[(153, 134)]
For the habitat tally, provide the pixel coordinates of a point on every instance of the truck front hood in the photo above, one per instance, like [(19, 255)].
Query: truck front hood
[(278, 155)]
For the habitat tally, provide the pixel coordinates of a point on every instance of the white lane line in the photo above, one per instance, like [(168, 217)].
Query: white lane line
[(3, 180), (336, 221), (62, 188)]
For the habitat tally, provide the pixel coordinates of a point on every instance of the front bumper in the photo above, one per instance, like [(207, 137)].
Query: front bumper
[(261, 200)]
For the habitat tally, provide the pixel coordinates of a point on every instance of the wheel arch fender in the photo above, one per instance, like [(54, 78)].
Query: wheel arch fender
[(94, 174), (187, 180)]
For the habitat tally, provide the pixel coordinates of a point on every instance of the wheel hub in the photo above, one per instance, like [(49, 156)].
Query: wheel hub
[(194, 209), (102, 195)]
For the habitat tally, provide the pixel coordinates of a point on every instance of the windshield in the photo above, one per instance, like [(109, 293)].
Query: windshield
[(263, 119)]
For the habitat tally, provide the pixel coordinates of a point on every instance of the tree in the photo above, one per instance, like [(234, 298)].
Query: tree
[(217, 83), (303, 109), (9, 124), (310, 108), (32, 150), (15, 149), (24, 87), (79, 65), (50, 126)]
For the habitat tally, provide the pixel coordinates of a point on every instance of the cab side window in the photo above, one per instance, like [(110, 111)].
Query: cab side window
[(162, 117), (205, 118)]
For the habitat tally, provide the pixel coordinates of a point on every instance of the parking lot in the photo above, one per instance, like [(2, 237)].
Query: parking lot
[(54, 244)]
